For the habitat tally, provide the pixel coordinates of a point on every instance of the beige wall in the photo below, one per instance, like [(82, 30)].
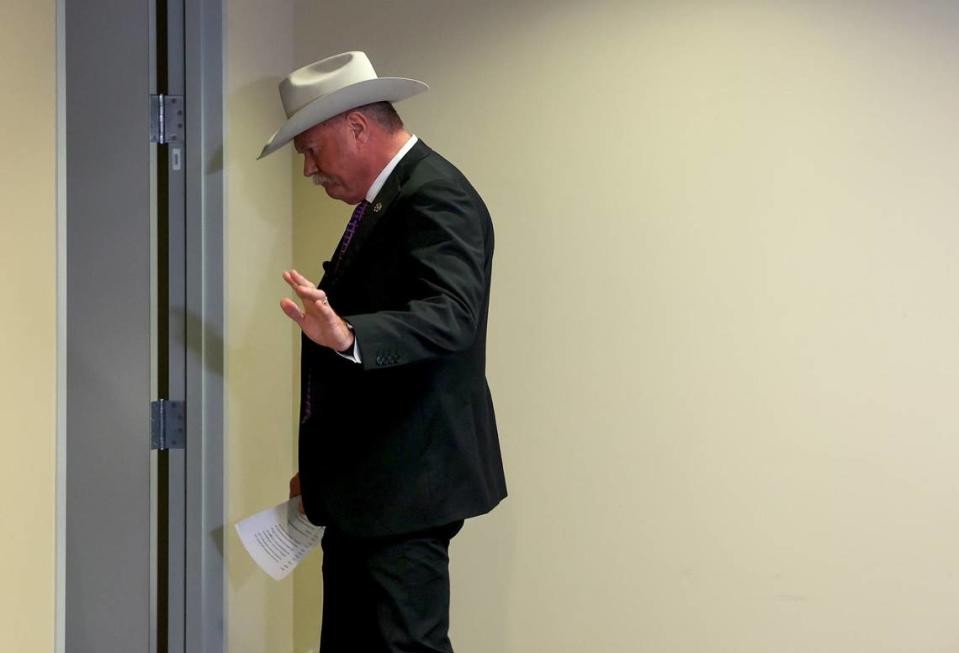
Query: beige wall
[(28, 284), (259, 342), (750, 208), (723, 332)]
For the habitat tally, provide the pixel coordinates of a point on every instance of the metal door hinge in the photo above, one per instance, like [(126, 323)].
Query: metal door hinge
[(167, 119), (167, 424)]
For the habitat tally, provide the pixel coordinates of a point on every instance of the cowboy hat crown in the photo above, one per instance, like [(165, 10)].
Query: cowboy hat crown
[(330, 86)]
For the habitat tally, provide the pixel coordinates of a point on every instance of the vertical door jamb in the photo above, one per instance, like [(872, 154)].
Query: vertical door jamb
[(204, 620), (194, 70)]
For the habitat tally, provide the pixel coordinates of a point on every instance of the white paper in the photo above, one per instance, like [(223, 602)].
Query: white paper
[(279, 537)]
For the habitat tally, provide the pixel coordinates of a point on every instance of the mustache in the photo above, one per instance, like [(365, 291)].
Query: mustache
[(321, 180)]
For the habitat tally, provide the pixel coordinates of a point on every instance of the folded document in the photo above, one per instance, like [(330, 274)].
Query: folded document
[(279, 537)]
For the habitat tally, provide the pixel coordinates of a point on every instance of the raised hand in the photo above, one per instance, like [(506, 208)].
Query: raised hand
[(317, 319)]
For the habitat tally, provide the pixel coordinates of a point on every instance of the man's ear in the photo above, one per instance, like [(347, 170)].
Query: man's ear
[(358, 125)]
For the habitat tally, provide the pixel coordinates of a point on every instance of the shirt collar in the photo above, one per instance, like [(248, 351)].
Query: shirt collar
[(381, 179)]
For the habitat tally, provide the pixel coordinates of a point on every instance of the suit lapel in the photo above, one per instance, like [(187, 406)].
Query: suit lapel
[(376, 212)]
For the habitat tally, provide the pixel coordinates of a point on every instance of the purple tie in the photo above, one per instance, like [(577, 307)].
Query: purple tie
[(351, 226), (345, 242)]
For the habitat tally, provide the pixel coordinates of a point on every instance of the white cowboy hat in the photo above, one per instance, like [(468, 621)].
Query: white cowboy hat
[(331, 86)]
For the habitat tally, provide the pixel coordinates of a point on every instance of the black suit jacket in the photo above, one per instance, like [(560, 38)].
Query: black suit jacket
[(407, 440)]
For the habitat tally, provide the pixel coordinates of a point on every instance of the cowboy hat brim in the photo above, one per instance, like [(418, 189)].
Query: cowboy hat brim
[(381, 89)]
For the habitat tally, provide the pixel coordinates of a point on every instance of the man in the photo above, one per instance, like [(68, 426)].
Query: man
[(398, 441)]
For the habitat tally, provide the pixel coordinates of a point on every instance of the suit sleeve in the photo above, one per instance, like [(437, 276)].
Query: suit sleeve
[(448, 245)]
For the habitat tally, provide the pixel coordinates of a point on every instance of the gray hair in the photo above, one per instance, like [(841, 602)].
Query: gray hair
[(383, 114)]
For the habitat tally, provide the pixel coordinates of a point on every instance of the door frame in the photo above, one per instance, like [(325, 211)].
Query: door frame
[(200, 624)]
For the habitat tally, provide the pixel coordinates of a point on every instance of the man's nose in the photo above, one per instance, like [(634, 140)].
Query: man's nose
[(309, 168)]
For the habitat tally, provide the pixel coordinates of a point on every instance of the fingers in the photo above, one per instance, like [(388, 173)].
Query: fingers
[(309, 293), (290, 280), (315, 301), (305, 291), (316, 318), (323, 306), (294, 279), (300, 279), (292, 310)]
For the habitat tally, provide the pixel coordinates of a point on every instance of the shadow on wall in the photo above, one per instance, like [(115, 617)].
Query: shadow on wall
[(257, 230), (254, 114)]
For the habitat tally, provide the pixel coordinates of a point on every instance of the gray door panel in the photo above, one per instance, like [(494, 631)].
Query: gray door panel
[(108, 371)]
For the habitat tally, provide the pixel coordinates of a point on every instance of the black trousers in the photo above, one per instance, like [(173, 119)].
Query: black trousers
[(389, 594)]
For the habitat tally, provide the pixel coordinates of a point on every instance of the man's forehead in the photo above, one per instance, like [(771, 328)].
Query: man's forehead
[(300, 141), (308, 137)]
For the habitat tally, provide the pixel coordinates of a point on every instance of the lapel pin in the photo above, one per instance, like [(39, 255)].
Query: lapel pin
[(377, 207)]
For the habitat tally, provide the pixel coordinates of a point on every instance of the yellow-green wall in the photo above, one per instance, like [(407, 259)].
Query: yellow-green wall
[(723, 337), (28, 296), (259, 338)]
